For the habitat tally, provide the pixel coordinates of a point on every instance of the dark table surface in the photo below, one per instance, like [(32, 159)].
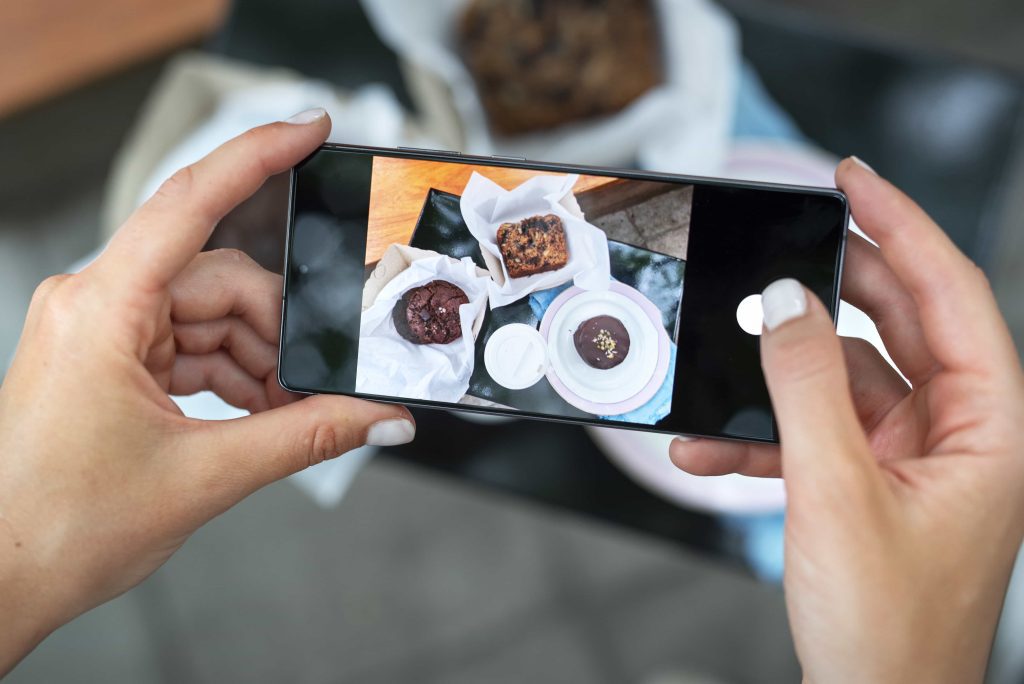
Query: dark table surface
[(943, 130)]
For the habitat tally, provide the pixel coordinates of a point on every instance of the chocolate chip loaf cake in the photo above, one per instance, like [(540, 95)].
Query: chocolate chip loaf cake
[(538, 64), (534, 245)]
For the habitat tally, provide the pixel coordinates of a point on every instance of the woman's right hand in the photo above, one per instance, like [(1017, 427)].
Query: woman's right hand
[(905, 503)]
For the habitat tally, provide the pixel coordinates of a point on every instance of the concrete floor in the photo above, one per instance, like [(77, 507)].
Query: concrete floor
[(413, 577), (417, 579)]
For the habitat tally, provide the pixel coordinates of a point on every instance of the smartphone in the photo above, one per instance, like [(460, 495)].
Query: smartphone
[(580, 294)]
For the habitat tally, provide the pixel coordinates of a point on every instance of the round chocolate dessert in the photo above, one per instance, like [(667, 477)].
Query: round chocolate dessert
[(429, 314), (602, 341)]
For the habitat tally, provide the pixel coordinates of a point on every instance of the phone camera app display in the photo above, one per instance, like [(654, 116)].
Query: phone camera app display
[(554, 293), (518, 289)]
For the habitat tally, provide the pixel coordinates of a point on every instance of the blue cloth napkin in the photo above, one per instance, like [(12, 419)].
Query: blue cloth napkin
[(651, 412), (541, 300)]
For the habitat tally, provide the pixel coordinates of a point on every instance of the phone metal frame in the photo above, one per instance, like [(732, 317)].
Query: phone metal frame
[(520, 163)]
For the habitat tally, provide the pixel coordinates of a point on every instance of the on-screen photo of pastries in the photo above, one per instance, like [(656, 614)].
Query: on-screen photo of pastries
[(521, 289)]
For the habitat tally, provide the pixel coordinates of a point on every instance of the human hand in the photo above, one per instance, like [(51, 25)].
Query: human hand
[(101, 476), (905, 503)]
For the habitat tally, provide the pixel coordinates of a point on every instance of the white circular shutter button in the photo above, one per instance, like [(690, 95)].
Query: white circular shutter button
[(750, 315)]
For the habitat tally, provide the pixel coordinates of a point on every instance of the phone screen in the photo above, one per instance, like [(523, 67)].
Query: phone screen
[(620, 299)]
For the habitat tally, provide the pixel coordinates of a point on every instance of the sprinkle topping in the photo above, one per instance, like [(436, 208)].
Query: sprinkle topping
[(606, 343)]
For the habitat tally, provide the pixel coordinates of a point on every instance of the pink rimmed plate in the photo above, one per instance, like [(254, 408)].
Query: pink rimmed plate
[(606, 393)]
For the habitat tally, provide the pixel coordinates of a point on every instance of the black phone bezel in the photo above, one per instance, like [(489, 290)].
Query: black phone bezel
[(509, 162)]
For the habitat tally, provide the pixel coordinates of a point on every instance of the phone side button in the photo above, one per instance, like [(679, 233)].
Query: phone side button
[(505, 157), (430, 151)]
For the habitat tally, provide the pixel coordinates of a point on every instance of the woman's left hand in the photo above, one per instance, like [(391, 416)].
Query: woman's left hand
[(101, 476)]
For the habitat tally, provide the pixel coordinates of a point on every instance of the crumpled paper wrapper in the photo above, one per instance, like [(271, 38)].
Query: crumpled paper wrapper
[(396, 259), (681, 125), (486, 205), (389, 365)]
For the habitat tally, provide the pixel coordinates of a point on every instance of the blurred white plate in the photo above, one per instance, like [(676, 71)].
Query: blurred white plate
[(643, 456)]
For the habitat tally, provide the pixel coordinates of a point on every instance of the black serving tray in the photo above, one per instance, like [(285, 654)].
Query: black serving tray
[(659, 277)]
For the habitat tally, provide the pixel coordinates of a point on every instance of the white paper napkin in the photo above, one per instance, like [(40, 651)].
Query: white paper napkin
[(390, 365), (700, 45), (486, 205)]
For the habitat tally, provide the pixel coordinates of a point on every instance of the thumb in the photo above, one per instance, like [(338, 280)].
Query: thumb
[(806, 374), (242, 455)]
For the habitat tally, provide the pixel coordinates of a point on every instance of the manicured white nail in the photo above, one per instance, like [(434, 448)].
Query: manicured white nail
[(863, 164), (390, 432), (307, 117), (783, 301)]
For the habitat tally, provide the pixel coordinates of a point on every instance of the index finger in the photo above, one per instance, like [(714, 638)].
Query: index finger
[(961, 322), (166, 232)]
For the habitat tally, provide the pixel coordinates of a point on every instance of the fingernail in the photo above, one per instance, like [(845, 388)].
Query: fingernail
[(307, 117), (783, 301), (390, 432), (863, 164), (679, 440)]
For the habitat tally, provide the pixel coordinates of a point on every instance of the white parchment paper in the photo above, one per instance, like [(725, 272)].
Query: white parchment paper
[(692, 110), (390, 365), (486, 205)]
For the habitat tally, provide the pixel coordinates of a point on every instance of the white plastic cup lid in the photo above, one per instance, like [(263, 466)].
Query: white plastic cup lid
[(516, 356)]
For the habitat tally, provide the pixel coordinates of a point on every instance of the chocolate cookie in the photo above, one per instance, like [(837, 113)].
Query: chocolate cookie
[(429, 314), (602, 342)]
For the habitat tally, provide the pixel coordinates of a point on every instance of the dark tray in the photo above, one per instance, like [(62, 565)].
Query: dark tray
[(658, 277)]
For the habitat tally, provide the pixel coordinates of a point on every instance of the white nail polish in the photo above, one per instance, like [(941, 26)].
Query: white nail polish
[(307, 117), (783, 301), (863, 164), (390, 432)]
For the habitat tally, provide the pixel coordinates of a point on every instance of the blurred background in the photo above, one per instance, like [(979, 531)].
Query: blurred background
[(515, 551)]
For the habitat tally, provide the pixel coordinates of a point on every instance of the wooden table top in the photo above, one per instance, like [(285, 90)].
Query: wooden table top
[(50, 46), (400, 187)]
